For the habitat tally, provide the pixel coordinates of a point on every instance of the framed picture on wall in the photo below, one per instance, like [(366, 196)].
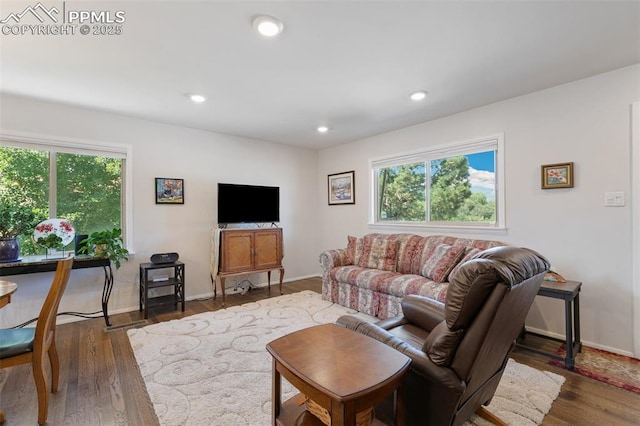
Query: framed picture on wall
[(169, 191), (341, 188), (557, 176)]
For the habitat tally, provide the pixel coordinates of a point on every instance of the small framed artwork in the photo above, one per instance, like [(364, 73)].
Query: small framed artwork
[(169, 191), (342, 189), (557, 176)]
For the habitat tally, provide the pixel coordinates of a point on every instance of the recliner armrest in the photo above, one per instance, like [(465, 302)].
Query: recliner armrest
[(392, 322), (423, 312)]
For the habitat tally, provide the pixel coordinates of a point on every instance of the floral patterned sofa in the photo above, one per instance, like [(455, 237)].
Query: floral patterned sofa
[(373, 273)]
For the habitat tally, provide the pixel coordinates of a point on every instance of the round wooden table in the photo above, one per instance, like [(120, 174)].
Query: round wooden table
[(7, 288)]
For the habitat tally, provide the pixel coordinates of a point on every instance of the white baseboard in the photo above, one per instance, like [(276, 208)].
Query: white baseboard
[(230, 289), (584, 343)]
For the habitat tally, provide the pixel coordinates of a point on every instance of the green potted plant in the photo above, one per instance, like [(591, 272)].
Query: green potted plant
[(51, 242), (15, 220), (107, 243)]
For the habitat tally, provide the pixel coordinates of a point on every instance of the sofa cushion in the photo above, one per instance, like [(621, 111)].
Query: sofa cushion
[(425, 249), (354, 250), (409, 247), (442, 261), (379, 253), (389, 283)]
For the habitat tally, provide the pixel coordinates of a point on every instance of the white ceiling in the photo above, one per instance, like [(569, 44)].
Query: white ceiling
[(348, 64)]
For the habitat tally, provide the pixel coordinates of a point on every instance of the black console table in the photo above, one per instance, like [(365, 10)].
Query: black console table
[(35, 264), (570, 293)]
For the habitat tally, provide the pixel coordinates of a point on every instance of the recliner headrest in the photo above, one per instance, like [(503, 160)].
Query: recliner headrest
[(472, 283)]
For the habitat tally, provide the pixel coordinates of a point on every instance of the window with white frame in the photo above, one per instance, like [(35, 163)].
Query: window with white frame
[(82, 183), (449, 185)]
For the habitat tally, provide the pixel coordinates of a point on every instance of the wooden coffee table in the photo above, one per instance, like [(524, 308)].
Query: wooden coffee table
[(341, 370)]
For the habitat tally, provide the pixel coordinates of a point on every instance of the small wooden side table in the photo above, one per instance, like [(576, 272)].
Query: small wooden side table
[(341, 370), (570, 293)]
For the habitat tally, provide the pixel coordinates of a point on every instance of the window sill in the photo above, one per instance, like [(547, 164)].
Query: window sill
[(410, 227)]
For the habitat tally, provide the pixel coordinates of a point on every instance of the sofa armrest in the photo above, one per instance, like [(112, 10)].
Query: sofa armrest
[(424, 312), (329, 259), (420, 362)]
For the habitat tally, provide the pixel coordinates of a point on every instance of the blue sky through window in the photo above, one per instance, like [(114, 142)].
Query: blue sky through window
[(482, 173), (482, 161)]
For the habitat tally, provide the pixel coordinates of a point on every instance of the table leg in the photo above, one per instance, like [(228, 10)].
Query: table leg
[(106, 292), (275, 393), (141, 288), (342, 414), (568, 319), (399, 405), (180, 288), (281, 278), (576, 322), (269, 281), (222, 279)]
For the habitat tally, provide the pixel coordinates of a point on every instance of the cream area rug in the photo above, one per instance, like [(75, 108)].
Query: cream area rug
[(213, 368)]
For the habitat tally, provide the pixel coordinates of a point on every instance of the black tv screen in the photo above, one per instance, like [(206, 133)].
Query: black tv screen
[(248, 203)]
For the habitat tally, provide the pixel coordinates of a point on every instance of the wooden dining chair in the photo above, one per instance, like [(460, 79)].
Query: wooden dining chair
[(32, 345)]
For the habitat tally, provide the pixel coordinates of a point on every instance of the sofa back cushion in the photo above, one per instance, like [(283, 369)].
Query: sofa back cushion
[(426, 248), (354, 250), (412, 250), (442, 261), (409, 246), (379, 253)]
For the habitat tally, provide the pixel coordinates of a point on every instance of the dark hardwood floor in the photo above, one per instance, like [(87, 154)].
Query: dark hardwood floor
[(100, 383)]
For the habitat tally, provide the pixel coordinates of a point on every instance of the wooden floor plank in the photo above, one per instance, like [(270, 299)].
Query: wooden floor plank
[(100, 382)]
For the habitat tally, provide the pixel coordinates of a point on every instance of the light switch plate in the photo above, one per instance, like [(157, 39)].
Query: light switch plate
[(614, 199)]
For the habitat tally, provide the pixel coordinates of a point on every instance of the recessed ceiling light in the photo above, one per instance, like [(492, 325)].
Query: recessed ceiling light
[(268, 26), (418, 96), (196, 97), (323, 129)]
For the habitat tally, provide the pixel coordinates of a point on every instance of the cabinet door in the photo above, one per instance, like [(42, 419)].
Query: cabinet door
[(268, 250), (237, 254)]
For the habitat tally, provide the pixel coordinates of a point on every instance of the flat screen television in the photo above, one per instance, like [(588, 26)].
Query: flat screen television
[(248, 203)]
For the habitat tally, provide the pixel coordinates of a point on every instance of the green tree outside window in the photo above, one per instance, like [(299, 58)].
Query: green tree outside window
[(447, 196), (88, 190)]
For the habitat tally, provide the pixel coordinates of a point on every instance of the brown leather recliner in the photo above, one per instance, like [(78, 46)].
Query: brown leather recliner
[(460, 349)]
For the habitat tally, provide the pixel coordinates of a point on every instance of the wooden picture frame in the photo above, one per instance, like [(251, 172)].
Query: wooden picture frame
[(558, 175), (169, 191), (341, 188)]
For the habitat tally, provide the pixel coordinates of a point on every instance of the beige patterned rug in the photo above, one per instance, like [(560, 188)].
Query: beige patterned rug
[(213, 368)]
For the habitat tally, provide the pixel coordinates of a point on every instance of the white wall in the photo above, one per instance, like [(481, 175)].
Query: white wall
[(202, 159), (587, 122)]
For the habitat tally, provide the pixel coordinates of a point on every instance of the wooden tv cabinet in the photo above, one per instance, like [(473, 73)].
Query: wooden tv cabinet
[(249, 251)]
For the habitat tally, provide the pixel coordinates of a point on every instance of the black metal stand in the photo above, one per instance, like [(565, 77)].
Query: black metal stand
[(176, 281), (106, 292)]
